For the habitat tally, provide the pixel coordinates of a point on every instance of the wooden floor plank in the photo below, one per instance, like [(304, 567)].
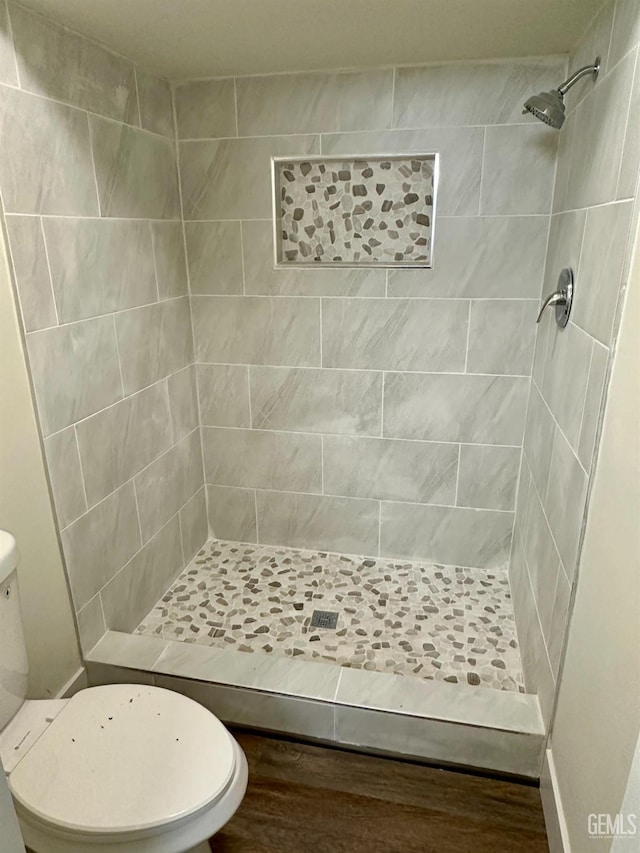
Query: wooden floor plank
[(303, 798)]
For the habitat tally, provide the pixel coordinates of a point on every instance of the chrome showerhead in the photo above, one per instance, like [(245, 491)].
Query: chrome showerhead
[(549, 106)]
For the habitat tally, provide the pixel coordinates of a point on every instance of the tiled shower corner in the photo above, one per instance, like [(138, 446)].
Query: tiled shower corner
[(408, 618)]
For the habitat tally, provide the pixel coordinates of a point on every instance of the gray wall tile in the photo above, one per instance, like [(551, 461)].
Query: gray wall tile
[(518, 170), (230, 178), (205, 109), (75, 371), (345, 525), (502, 336), (631, 149), (156, 108), (394, 334), (135, 171), (441, 407), (91, 627), (542, 559), (31, 271), (117, 443), (183, 402), (601, 267), (592, 404), (308, 400), (304, 103), (63, 463), (460, 159), (46, 164), (99, 543), (455, 536), (153, 341), (135, 589), (470, 93), (489, 256), (488, 476), (257, 330), (390, 469), (232, 513), (538, 439), (8, 72), (262, 460), (171, 265), (165, 485), (223, 390), (565, 501), (215, 257), (261, 277), (59, 64), (99, 266), (193, 525), (568, 354), (601, 121)]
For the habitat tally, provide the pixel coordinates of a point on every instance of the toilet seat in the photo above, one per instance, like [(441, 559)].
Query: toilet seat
[(124, 760)]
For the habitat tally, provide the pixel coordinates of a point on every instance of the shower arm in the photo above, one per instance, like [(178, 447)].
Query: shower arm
[(563, 88)]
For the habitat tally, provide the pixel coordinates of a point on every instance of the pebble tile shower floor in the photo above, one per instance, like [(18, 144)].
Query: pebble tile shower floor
[(409, 618)]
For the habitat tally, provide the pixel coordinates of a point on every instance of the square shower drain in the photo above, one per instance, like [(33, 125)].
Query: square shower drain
[(324, 619)]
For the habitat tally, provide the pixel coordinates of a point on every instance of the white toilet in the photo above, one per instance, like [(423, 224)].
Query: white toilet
[(123, 768)]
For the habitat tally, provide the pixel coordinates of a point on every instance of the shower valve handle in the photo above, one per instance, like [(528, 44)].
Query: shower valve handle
[(562, 298)]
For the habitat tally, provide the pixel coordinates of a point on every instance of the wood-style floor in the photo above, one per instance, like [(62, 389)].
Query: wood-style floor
[(310, 798)]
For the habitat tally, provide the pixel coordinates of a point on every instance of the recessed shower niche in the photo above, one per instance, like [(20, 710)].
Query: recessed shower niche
[(354, 211)]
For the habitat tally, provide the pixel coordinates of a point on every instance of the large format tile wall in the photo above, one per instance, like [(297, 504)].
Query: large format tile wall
[(355, 410), (89, 184), (595, 203)]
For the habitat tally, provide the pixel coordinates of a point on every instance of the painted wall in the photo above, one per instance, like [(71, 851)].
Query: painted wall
[(91, 202), (594, 197), (351, 410), (26, 511), (597, 722)]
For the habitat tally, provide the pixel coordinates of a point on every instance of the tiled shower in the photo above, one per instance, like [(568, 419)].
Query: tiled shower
[(214, 425)]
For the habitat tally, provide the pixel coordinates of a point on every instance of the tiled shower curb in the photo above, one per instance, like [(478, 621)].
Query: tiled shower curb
[(500, 731)]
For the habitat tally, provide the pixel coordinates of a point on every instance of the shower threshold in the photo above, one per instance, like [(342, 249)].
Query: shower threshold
[(423, 661)]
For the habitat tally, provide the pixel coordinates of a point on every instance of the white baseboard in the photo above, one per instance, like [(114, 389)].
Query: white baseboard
[(557, 833), (78, 681)]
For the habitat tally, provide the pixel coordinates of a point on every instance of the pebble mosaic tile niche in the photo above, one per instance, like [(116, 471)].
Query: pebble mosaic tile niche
[(364, 211), (415, 619)]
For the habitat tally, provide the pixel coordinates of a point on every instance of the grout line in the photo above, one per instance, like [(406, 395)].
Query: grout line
[(155, 265), (82, 480), (53, 291), (482, 169), (135, 83), (93, 165), (321, 345), (627, 127), (13, 44), (115, 335), (255, 509), (395, 371), (135, 496), (249, 398), (322, 464), (382, 405), (586, 394), (244, 280), (379, 528), (235, 106), (455, 500), (466, 349)]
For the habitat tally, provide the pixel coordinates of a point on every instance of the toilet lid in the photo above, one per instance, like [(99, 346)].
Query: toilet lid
[(122, 758)]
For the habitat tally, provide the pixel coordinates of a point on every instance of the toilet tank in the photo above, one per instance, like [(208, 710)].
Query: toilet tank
[(13, 652)]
